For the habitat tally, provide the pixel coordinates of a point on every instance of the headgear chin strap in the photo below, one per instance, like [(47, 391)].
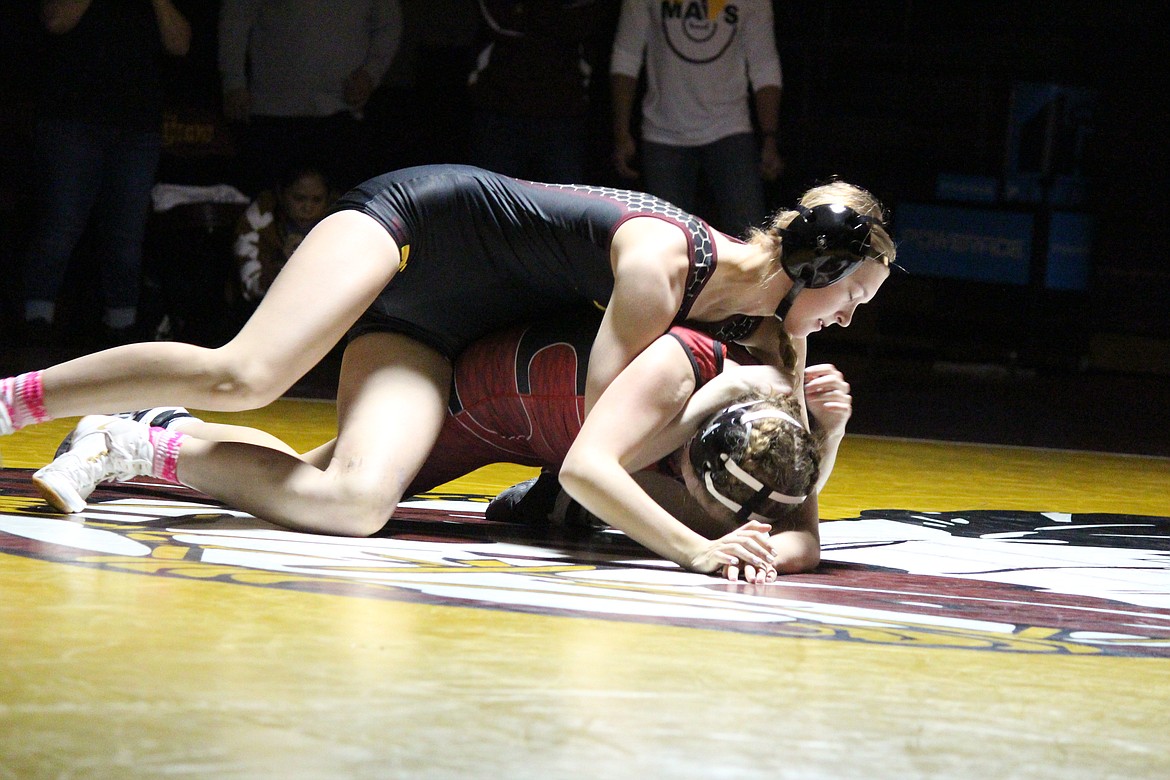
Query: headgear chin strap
[(717, 444), (821, 246)]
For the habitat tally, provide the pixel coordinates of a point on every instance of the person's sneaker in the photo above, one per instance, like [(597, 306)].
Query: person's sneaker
[(104, 448), (158, 417)]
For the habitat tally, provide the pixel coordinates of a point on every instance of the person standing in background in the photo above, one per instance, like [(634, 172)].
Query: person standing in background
[(299, 74), (702, 61), (530, 89), (97, 143)]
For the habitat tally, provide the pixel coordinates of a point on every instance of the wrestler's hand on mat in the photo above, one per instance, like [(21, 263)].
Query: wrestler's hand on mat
[(746, 546), (827, 394), (752, 574)]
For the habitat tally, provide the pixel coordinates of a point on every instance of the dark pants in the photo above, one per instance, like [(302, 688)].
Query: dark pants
[(731, 169), (545, 150), (96, 176)]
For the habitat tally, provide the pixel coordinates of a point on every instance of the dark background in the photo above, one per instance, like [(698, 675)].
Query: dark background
[(888, 95)]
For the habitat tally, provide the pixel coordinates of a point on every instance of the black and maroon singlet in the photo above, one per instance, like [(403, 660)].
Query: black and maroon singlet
[(481, 251)]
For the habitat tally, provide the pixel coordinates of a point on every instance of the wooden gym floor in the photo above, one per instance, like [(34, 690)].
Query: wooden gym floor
[(983, 612)]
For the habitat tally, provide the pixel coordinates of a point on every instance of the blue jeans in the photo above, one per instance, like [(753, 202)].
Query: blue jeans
[(545, 150), (731, 168), (98, 176)]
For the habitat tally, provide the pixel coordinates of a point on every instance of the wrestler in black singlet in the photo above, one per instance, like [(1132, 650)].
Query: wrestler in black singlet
[(481, 251)]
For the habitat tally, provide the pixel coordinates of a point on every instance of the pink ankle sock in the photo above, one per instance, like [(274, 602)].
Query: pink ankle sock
[(23, 397), (166, 454)]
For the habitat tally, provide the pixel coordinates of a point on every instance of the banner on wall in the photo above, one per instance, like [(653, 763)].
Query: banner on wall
[(1049, 126), (983, 245), (1070, 244)]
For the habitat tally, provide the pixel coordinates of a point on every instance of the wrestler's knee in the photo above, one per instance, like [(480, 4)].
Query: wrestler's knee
[(362, 504), (239, 381)]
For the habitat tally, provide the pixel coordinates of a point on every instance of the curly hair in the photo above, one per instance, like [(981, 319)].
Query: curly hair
[(783, 456)]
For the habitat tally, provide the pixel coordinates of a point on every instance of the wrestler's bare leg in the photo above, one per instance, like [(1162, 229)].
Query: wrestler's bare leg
[(339, 269), (392, 401), (209, 431)]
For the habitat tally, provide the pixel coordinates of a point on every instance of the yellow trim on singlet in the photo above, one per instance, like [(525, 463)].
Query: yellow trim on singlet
[(405, 252)]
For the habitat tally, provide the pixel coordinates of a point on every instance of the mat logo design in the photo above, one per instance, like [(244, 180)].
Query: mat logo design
[(1125, 558), (889, 577)]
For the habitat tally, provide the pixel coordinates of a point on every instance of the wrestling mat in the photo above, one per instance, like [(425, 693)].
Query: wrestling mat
[(980, 611), (1003, 581)]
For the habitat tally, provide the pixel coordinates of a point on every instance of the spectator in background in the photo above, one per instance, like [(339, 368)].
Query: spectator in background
[(439, 42), (96, 149), (702, 60), (530, 89), (299, 73), (273, 226)]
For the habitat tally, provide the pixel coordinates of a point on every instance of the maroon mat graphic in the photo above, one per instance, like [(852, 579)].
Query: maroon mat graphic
[(1026, 582)]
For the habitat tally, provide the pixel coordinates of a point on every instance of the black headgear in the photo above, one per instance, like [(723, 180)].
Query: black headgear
[(822, 246), (721, 444)]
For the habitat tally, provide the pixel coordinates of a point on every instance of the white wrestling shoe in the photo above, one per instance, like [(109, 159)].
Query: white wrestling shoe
[(104, 448), (158, 417), (5, 421)]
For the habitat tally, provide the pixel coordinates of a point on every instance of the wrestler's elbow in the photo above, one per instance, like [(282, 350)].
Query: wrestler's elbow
[(798, 561), (578, 474), (573, 474)]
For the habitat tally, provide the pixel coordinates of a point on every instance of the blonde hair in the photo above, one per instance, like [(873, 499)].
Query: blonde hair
[(881, 245)]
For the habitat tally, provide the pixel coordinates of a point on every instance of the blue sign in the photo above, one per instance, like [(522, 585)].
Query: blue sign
[(1070, 241), (968, 188), (981, 245)]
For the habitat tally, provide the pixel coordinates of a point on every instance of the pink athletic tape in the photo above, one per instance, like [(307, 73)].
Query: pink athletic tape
[(24, 398), (165, 464)]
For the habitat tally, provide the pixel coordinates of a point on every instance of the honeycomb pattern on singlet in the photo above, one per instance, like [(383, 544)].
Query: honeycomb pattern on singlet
[(702, 264), (734, 328)]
